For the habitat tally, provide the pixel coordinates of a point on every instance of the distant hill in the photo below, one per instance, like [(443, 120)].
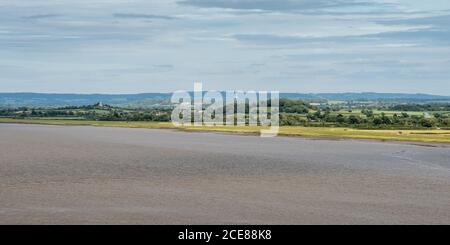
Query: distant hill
[(162, 99), (366, 96), (57, 100)]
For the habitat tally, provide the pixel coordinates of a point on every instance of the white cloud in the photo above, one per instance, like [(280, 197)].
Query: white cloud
[(142, 46)]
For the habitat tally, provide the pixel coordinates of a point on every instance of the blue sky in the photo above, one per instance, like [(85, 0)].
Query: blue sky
[(118, 46)]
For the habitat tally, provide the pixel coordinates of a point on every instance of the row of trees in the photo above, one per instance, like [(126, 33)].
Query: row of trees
[(421, 107), (117, 115), (293, 112), (103, 113), (367, 120)]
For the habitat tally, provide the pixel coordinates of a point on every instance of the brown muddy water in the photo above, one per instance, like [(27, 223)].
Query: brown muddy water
[(95, 175)]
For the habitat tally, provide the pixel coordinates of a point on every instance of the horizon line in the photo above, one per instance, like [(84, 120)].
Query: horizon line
[(138, 93)]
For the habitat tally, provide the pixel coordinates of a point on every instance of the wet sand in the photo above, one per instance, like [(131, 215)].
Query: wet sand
[(94, 175)]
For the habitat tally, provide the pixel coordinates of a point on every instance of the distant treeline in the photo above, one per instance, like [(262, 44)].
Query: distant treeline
[(98, 113), (300, 113), (152, 100), (293, 112), (421, 107), (367, 119)]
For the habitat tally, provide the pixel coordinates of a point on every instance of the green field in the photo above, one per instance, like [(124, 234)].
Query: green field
[(432, 136)]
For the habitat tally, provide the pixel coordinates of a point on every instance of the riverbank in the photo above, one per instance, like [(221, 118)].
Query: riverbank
[(424, 136)]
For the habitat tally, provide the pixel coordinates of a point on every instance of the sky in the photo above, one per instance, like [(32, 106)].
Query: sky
[(137, 46)]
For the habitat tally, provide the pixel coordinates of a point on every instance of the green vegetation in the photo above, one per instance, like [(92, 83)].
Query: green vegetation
[(292, 113), (366, 116), (97, 112), (410, 122)]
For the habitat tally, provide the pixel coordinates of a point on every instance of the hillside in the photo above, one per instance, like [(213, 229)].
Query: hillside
[(162, 99)]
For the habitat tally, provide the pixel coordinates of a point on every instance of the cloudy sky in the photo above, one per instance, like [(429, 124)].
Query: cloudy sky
[(119, 46)]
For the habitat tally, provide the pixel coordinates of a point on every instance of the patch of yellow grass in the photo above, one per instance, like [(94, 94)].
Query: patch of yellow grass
[(404, 135)]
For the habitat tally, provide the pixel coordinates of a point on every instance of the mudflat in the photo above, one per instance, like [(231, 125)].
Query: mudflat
[(99, 175)]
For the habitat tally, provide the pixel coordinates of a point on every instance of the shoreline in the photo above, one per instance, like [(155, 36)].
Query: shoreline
[(161, 126)]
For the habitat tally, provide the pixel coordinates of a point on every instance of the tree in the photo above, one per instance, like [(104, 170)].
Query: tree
[(354, 120), (377, 121), (368, 113), (427, 122), (340, 118)]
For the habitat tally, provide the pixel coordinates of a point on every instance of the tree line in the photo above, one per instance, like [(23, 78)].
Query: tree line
[(293, 112)]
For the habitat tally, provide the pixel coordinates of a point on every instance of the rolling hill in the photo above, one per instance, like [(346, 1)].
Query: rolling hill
[(161, 99)]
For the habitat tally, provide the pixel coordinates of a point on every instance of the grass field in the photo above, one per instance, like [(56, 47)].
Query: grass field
[(431, 136)]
